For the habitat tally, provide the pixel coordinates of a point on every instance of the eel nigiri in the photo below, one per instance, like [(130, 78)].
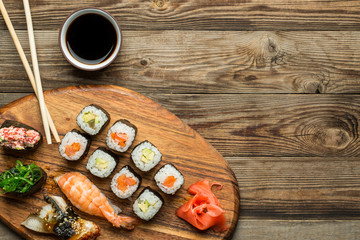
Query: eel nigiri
[(85, 196), (58, 218)]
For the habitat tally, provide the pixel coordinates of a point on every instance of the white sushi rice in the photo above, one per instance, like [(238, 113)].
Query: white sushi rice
[(155, 205), (69, 139), (100, 172), (120, 127), (166, 171), (131, 189), (136, 155), (84, 126)]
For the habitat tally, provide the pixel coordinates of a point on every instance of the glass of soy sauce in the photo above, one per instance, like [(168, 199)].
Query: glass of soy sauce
[(90, 39)]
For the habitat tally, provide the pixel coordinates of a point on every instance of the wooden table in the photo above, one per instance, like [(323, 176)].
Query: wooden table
[(273, 86)]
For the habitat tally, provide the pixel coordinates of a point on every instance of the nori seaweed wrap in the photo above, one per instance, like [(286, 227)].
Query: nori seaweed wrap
[(17, 137)]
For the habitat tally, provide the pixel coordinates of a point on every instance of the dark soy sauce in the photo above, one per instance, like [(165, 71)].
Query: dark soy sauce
[(91, 38)]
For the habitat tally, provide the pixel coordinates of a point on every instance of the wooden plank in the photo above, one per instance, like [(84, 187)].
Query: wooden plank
[(270, 124), (7, 233), (178, 143), (297, 230), (279, 229), (298, 188), (183, 62), (202, 14)]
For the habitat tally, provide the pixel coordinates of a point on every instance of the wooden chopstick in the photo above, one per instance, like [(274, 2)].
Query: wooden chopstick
[(27, 67), (36, 70)]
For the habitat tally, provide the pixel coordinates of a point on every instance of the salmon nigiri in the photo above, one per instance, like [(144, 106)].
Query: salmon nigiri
[(85, 196)]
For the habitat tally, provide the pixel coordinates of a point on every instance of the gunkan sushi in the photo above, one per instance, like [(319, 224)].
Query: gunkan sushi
[(93, 119), (145, 156), (148, 204), (18, 137), (102, 162), (74, 145), (169, 179), (125, 182), (121, 135)]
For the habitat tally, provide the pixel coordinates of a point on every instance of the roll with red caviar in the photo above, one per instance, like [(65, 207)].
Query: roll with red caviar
[(18, 137)]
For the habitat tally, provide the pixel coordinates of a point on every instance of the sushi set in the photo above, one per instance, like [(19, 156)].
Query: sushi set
[(125, 168)]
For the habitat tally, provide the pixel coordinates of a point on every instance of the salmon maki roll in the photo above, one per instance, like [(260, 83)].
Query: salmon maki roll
[(126, 182), (75, 145), (169, 179), (121, 135), (85, 196)]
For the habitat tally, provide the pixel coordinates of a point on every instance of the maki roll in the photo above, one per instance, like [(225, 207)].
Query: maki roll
[(169, 179), (93, 119), (102, 162), (145, 156), (125, 182), (147, 204), (121, 135), (75, 145), (22, 180), (18, 137)]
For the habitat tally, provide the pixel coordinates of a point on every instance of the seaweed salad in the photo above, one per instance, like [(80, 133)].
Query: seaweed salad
[(22, 179)]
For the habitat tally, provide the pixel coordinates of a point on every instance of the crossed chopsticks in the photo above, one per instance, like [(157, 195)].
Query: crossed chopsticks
[(34, 79)]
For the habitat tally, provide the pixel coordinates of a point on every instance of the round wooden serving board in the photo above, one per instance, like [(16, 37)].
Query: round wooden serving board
[(179, 144)]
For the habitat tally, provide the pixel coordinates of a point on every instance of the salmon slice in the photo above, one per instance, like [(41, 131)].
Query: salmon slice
[(169, 181), (124, 182), (85, 196)]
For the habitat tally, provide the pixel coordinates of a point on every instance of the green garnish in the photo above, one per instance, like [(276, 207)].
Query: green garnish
[(91, 119), (144, 206), (101, 163), (20, 178), (147, 155)]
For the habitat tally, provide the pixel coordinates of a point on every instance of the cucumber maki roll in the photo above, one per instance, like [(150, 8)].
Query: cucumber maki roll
[(148, 204), (93, 119), (18, 137), (125, 183), (74, 145), (145, 156), (169, 179), (121, 135), (102, 162)]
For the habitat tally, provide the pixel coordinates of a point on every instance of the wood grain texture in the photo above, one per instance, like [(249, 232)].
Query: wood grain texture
[(297, 230), (179, 144), (295, 188), (202, 14), (272, 124), (183, 62), (280, 229), (275, 125)]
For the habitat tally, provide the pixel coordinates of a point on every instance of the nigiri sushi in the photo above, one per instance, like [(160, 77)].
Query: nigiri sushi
[(58, 218), (85, 196)]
